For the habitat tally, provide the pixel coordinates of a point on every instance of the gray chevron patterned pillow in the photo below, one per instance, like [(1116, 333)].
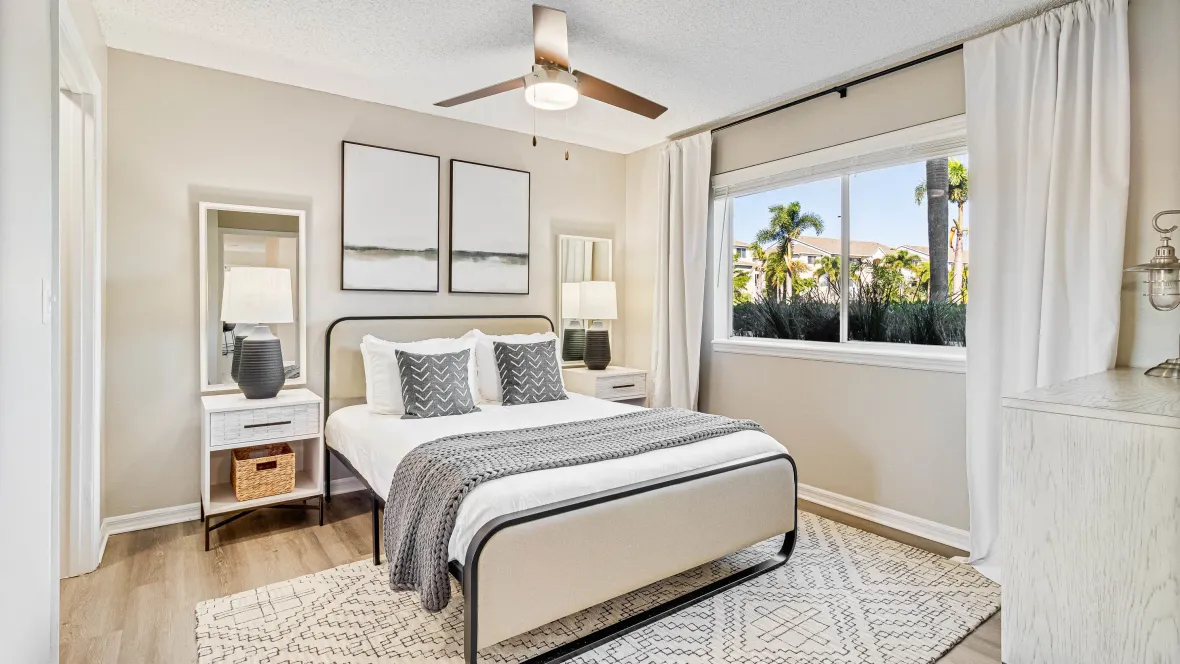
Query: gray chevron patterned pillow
[(529, 372), (435, 385)]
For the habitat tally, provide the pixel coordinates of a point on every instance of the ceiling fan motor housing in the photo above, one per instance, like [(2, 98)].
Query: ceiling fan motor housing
[(550, 88)]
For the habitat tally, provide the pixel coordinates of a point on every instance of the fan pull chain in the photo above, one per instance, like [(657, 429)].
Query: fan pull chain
[(534, 126)]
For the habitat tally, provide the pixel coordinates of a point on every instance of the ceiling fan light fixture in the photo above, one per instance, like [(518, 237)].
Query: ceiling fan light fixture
[(550, 88)]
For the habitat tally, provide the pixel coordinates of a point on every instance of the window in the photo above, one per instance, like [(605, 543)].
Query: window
[(782, 226), (896, 296), (842, 242)]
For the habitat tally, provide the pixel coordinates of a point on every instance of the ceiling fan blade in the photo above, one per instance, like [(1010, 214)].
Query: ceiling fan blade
[(510, 84), (550, 45), (596, 88)]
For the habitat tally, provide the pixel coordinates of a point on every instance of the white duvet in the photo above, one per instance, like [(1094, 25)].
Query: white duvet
[(374, 444)]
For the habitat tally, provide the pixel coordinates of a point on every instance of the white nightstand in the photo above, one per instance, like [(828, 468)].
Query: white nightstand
[(612, 383), (231, 421)]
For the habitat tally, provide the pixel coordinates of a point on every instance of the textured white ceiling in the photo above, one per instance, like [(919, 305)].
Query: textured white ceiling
[(704, 59)]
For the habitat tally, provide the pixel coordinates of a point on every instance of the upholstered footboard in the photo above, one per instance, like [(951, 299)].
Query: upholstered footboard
[(526, 569)]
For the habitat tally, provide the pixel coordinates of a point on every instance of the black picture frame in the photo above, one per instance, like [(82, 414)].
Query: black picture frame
[(527, 226), (344, 220)]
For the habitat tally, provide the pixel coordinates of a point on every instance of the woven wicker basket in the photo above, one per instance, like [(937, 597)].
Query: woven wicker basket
[(266, 470)]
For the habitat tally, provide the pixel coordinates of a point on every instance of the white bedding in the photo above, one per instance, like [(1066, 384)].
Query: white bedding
[(374, 444)]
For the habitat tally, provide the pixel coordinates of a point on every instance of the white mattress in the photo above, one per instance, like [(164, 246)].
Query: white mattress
[(374, 444)]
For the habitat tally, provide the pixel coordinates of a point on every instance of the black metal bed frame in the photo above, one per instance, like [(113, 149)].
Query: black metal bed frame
[(467, 573)]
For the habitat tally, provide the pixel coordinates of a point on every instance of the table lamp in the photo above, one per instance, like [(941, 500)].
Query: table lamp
[(597, 304), (573, 333), (258, 295)]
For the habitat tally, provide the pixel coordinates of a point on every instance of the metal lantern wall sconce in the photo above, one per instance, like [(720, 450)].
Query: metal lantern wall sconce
[(1163, 286)]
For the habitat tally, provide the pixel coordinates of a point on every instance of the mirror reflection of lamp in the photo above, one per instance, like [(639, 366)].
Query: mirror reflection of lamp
[(573, 333), (1163, 286), (597, 303), (257, 296)]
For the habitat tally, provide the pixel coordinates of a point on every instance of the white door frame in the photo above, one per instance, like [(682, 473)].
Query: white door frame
[(78, 76)]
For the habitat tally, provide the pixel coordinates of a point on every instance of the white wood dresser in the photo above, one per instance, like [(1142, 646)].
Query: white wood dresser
[(1090, 512)]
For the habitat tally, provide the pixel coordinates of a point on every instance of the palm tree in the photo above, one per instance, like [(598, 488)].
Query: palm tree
[(921, 282), (740, 279), (827, 268), (934, 188), (781, 274), (762, 263), (802, 285), (957, 176), (894, 265), (855, 268), (787, 224), (957, 192), (901, 260)]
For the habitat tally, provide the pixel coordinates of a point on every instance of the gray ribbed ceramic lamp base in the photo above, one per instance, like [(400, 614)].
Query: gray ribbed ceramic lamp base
[(573, 344), (237, 361), (260, 370), (597, 354), (241, 331)]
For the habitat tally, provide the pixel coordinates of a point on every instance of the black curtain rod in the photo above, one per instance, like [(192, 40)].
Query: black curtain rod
[(842, 89)]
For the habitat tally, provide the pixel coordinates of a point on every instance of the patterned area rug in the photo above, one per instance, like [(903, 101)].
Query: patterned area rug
[(844, 596)]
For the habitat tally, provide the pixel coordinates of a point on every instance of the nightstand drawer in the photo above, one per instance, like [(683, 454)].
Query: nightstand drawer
[(233, 427), (621, 387)]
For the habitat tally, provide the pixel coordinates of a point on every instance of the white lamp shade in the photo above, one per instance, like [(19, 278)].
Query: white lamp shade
[(571, 301), (257, 295), (597, 300)]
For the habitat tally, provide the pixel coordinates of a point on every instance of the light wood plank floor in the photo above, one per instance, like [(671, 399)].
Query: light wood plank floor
[(137, 607)]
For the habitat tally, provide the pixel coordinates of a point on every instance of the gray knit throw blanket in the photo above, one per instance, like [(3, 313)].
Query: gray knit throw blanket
[(432, 480)]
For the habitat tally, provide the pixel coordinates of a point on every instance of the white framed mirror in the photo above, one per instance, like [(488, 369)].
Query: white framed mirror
[(579, 258), (248, 236)]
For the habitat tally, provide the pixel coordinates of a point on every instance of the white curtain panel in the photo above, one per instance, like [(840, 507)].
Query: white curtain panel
[(576, 268), (1048, 132), (680, 271)]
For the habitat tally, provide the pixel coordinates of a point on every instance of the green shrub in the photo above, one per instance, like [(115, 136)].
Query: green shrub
[(871, 317)]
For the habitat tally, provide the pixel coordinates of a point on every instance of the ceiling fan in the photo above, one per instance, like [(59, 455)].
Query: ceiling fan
[(552, 85)]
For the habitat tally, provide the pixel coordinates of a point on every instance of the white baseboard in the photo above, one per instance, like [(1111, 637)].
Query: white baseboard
[(891, 518), (885, 516), (167, 516)]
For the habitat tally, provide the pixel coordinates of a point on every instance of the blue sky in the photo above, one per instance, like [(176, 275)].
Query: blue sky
[(881, 203)]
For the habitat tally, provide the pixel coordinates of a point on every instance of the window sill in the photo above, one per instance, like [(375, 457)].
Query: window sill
[(900, 356)]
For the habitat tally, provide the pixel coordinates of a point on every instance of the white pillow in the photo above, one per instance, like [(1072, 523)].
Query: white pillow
[(485, 358), (383, 386)]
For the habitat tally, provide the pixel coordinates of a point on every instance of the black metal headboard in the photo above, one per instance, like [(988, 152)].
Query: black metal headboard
[(328, 338)]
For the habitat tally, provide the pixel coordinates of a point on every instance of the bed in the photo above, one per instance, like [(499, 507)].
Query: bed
[(530, 548)]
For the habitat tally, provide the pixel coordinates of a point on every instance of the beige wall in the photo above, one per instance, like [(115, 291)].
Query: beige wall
[(1147, 336), (181, 134), (923, 93), (639, 254), (891, 437)]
